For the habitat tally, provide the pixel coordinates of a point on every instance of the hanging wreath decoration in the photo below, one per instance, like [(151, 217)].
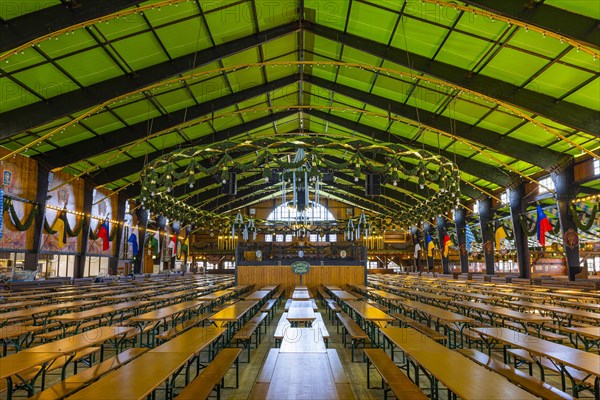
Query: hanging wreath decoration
[(578, 217), (401, 162), (28, 221)]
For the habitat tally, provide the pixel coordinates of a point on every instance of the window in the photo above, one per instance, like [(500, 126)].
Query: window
[(268, 237), (229, 264), (504, 198), (279, 238), (476, 207), (596, 167), (288, 237), (314, 237), (546, 184), (333, 237), (315, 213), (373, 265)]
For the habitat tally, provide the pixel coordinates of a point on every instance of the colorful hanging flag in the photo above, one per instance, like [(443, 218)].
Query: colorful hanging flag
[(543, 226), (185, 248), (430, 245), (499, 235), (133, 239), (173, 244), (103, 233), (417, 249), (1, 211), (469, 238), (61, 233), (156, 242), (447, 244)]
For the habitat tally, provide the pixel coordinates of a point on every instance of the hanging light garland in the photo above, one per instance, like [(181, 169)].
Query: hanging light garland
[(159, 178)]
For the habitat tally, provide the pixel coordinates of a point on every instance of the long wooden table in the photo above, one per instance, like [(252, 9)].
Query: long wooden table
[(301, 311), (590, 336), (107, 312), (14, 365), (562, 356), (160, 317), (231, 316), (460, 375)]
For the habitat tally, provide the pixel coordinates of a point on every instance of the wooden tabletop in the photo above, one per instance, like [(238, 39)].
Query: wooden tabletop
[(269, 287), (216, 295), (135, 380), (343, 295), (166, 312), (385, 295), (303, 340), (191, 341), (234, 311), (591, 331), (80, 341), (369, 312), (99, 311), (301, 310), (578, 359), (505, 312), (436, 312), (258, 295), (459, 374), (18, 362), (300, 295)]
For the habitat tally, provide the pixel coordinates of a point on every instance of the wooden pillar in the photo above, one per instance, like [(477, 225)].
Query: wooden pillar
[(441, 228), (517, 208), (427, 229), (88, 199), (32, 259), (114, 261), (566, 191), (142, 221), (485, 216), (460, 222)]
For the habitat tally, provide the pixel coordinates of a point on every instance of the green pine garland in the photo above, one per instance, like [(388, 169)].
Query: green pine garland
[(580, 225), (8, 204)]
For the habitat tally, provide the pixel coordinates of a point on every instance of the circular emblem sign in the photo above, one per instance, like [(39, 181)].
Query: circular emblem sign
[(343, 253), (570, 238), (488, 247)]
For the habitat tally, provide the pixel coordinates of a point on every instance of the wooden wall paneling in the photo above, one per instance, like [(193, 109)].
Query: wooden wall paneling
[(318, 275)]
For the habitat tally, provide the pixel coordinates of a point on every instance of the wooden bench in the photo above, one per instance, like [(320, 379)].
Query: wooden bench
[(277, 296), (320, 325), (352, 329), (282, 326), (244, 335), (269, 307), (332, 308), (60, 333), (180, 328), (527, 382), (392, 376), (323, 295), (212, 376), (383, 308), (421, 327), (31, 373), (78, 381), (581, 379)]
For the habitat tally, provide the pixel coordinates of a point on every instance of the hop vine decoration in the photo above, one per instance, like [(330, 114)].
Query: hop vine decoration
[(432, 173)]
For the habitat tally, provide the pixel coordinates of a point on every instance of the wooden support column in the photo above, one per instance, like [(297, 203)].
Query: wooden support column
[(485, 216), (114, 261), (566, 191), (441, 228), (460, 222), (427, 229), (32, 259), (142, 221), (88, 199), (517, 208)]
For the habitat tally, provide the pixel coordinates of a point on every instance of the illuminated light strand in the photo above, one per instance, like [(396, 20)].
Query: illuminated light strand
[(219, 71)]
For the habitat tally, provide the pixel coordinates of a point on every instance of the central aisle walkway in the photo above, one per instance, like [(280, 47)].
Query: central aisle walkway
[(303, 368)]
